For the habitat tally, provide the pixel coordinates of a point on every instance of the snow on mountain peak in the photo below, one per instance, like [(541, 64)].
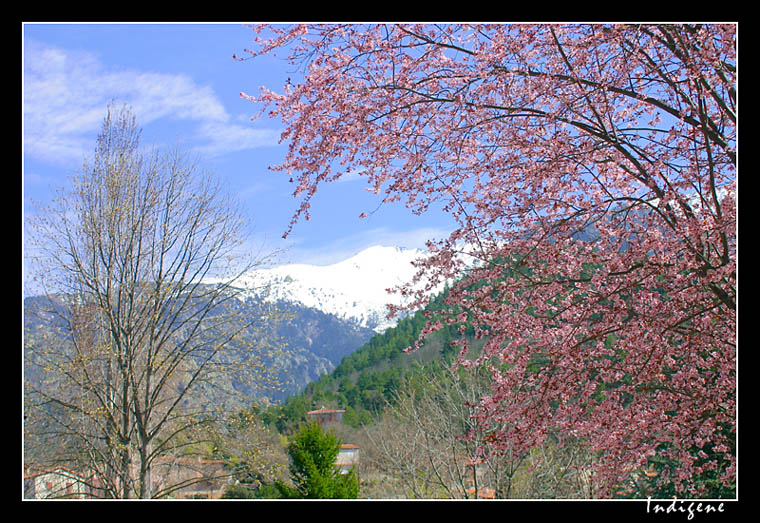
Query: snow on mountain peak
[(353, 289)]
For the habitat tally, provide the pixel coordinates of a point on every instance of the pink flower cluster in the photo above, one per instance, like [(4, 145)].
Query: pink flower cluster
[(592, 172)]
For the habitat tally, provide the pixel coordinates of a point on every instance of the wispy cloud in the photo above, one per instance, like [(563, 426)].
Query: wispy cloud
[(220, 137), (348, 246), (66, 92)]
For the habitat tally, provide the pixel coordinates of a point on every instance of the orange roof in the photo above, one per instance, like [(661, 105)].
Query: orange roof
[(324, 411), (57, 470)]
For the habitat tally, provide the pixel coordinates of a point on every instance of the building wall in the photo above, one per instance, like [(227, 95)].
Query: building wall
[(323, 415), (348, 457), (55, 484)]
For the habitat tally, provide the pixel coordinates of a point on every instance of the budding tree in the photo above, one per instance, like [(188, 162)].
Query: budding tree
[(124, 257), (591, 170), (428, 440)]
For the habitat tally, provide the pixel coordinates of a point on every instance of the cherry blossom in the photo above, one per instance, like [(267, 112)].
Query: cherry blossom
[(591, 170)]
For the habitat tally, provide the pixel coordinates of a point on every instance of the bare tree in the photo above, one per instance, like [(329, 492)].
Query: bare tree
[(255, 452), (560, 468), (128, 254), (429, 441)]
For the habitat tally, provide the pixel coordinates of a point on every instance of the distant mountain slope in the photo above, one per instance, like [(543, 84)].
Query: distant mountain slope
[(312, 343), (324, 338)]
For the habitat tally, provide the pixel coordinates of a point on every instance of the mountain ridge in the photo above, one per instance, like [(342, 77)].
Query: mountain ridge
[(354, 289)]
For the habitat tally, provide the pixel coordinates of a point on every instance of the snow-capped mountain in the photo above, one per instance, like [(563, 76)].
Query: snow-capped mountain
[(353, 289)]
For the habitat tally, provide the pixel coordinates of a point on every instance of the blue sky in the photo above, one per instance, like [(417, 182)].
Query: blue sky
[(184, 87)]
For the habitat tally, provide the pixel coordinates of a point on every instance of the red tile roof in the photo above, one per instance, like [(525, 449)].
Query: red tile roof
[(324, 411)]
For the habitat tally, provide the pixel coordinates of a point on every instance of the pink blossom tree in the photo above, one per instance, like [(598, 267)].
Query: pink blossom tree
[(591, 170)]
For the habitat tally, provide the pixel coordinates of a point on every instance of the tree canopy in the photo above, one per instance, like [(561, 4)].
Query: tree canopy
[(592, 172)]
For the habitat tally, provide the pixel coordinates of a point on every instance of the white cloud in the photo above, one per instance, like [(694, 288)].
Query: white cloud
[(219, 137), (65, 94), (351, 177), (348, 246)]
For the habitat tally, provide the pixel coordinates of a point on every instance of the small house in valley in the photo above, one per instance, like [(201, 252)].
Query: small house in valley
[(348, 457), (323, 415), (58, 483), (190, 478)]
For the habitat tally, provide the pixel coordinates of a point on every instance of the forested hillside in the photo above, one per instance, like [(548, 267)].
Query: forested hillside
[(366, 380)]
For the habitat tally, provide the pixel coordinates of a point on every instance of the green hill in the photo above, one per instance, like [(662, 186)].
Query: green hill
[(364, 381)]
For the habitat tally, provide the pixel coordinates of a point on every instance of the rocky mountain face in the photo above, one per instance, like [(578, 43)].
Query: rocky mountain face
[(316, 342), (307, 341)]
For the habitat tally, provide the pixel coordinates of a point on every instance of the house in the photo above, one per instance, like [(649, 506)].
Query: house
[(348, 457), (58, 483), (481, 493), (324, 415), (177, 477)]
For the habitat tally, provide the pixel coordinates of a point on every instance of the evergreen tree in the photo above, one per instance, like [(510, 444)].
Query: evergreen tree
[(313, 470)]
